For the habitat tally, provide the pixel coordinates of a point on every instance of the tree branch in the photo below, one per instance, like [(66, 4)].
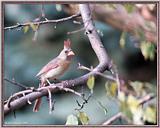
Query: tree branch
[(42, 22), (120, 19), (115, 117), (146, 98), (104, 63)]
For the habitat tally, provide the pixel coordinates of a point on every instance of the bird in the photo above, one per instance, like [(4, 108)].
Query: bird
[(54, 69)]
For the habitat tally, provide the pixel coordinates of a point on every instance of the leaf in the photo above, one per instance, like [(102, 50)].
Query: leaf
[(138, 88), (121, 96), (129, 7), (83, 118), (123, 105), (112, 6), (111, 88), (25, 29), (132, 103), (150, 114), (58, 7), (33, 26), (137, 116), (148, 50), (125, 109), (90, 82), (72, 120), (122, 41)]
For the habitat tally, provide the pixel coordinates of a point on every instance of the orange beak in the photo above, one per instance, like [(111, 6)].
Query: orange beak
[(71, 53)]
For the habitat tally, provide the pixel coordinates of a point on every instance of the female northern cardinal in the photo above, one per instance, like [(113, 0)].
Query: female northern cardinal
[(55, 68)]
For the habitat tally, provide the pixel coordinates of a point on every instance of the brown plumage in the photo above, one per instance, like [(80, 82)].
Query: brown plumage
[(55, 68)]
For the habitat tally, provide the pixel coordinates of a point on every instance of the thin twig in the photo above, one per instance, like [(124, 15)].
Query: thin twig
[(96, 72), (50, 101), (76, 31), (146, 98), (16, 83), (43, 22), (118, 83), (42, 11), (115, 117), (72, 91), (85, 100)]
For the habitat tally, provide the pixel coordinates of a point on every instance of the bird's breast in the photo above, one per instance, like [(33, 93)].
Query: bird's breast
[(58, 71)]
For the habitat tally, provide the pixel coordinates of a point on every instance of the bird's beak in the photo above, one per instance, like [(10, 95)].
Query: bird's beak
[(71, 53)]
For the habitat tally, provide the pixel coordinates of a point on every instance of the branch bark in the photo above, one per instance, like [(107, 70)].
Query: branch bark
[(104, 64)]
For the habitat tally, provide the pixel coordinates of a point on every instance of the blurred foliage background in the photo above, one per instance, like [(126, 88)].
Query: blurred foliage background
[(23, 58)]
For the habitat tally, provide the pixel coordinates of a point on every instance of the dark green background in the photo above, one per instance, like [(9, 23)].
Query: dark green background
[(23, 59)]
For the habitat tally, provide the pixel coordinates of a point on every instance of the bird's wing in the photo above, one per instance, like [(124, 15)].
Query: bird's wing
[(51, 65)]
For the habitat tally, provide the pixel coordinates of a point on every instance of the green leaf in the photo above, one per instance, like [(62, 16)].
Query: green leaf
[(25, 29), (122, 41), (129, 7), (148, 50), (90, 82), (150, 114), (83, 117), (72, 120)]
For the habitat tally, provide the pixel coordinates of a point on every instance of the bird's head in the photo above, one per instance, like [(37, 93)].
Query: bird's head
[(66, 53)]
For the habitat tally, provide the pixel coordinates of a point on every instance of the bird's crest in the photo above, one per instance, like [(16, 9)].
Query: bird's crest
[(67, 43)]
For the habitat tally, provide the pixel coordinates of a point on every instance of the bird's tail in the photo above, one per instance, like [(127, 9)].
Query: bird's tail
[(37, 105), (38, 101)]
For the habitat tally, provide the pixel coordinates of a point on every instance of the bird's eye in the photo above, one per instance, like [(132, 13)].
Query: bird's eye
[(66, 51)]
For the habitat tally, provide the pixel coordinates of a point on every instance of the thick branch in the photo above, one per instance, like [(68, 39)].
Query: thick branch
[(43, 22), (104, 64)]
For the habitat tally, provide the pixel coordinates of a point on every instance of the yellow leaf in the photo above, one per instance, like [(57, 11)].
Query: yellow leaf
[(25, 29), (133, 103), (83, 118), (33, 26), (90, 82), (150, 114), (72, 120), (111, 88), (121, 96)]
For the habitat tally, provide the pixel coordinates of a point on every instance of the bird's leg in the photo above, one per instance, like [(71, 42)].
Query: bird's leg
[(56, 80), (48, 82)]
